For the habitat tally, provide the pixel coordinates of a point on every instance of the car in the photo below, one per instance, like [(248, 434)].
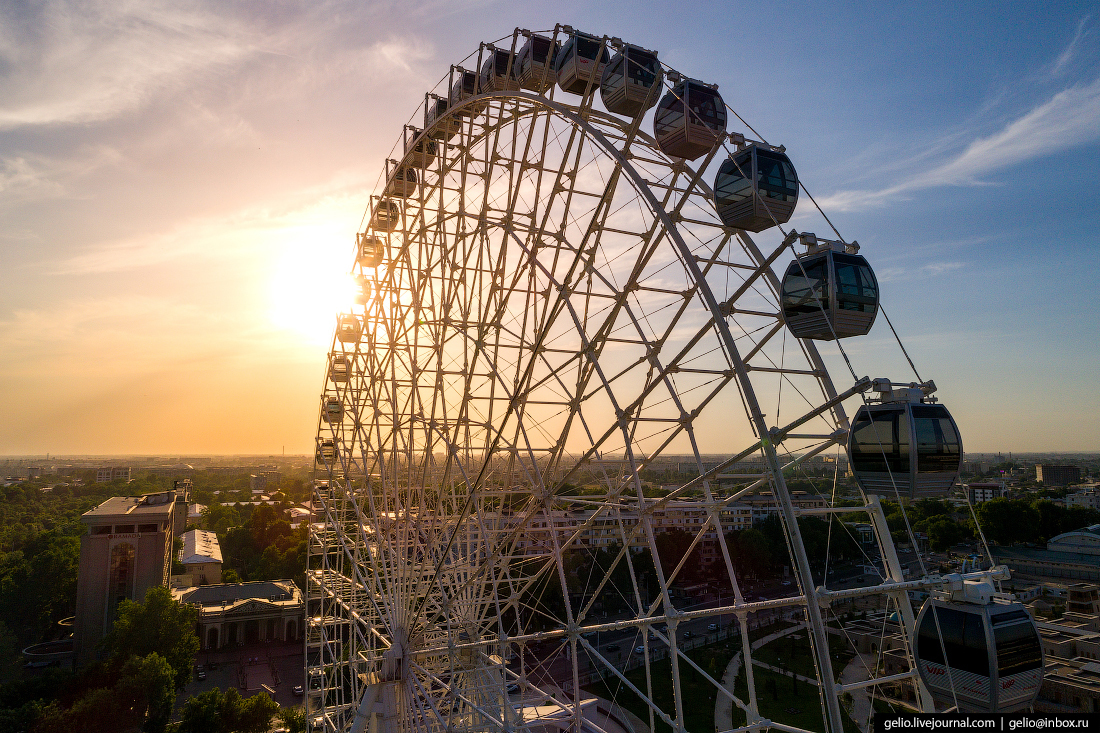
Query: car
[(639, 650), (786, 582), (201, 674), (688, 634), (712, 627), (299, 690), (612, 647), (512, 688)]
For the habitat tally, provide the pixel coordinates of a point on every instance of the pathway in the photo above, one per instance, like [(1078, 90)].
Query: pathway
[(857, 670), (723, 706)]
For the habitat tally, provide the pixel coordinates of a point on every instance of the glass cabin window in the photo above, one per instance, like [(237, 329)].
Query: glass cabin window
[(856, 287), (564, 54), (963, 640), (614, 77), (936, 438), (590, 48), (734, 183), (642, 68), (1017, 642), (775, 176), (880, 442), (705, 108), (540, 49), (669, 116), (804, 294)]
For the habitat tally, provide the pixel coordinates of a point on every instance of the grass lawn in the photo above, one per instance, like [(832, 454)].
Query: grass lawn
[(792, 653), (784, 700), (699, 695)]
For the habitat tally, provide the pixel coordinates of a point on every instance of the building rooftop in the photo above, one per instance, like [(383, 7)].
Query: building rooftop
[(230, 593), (200, 546), (132, 507)]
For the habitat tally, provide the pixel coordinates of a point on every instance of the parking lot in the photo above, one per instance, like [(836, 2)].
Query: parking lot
[(278, 665)]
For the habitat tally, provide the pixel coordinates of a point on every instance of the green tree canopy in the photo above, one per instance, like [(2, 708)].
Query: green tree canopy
[(215, 711), (161, 625)]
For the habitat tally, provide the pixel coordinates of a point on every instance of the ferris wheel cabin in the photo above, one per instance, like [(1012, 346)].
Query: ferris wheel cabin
[(756, 189), (830, 292), (994, 657), (631, 81), (419, 148), (402, 181), (386, 216), (370, 250), (464, 87), (348, 328), (339, 368), (904, 446), (534, 63), (438, 124), (580, 63), (497, 73), (690, 120), (333, 410)]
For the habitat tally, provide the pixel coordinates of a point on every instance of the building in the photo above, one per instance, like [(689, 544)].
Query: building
[(1087, 499), (1053, 475), (1071, 555), (1071, 646), (201, 557), (243, 613), (126, 550), (110, 473), (979, 492)]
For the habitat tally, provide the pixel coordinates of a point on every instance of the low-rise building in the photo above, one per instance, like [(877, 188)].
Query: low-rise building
[(243, 613), (201, 557), (979, 492), (110, 473)]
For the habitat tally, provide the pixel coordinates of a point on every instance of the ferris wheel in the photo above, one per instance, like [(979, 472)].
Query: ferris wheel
[(563, 316)]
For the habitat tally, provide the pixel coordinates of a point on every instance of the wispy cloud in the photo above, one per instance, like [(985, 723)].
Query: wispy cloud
[(328, 211), (1069, 119), (1066, 57), (69, 62)]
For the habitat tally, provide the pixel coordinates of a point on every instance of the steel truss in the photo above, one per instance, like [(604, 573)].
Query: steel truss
[(557, 312)]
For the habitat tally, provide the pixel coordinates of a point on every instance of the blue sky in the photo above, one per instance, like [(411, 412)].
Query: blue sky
[(179, 187)]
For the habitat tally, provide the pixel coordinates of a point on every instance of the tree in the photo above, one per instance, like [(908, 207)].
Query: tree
[(1006, 521), (294, 719), (215, 711), (161, 625)]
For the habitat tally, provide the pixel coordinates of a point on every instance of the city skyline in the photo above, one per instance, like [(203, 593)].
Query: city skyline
[(181, 188)]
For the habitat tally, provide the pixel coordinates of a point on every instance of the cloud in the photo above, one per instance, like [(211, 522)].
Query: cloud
[(327, 211), (1069, 119), (68, 62), (1070, 51)]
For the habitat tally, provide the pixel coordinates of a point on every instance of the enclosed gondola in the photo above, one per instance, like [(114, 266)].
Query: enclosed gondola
[(386, 215), (333, 411), (905, 446), (579, 65), (370, 251), (348, 328), (401, 180), (978, 652), (690, 120), (498, 71), (362, 290), (438, 124), (830, 292), (631, 81), (339, 369), (419, 148), (534, 63), (756, 188), (326, 452), (464, 87)]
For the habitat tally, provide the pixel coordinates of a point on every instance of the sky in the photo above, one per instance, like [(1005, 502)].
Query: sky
[(181, 183)]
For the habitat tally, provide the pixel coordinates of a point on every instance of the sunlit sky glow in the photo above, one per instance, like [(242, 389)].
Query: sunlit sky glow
[(180, 189)]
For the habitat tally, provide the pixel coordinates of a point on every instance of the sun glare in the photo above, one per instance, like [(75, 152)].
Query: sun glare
[(310, 284)]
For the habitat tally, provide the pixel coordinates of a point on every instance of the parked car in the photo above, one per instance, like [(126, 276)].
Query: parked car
[(639, 650), (299, 690), (712, 627), (688, 634), (612, 647)]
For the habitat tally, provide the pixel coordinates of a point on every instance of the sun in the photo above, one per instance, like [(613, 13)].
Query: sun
[(309, 285)]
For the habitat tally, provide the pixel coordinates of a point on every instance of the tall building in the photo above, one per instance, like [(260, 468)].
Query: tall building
[(126, 551), (1052, 475)]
